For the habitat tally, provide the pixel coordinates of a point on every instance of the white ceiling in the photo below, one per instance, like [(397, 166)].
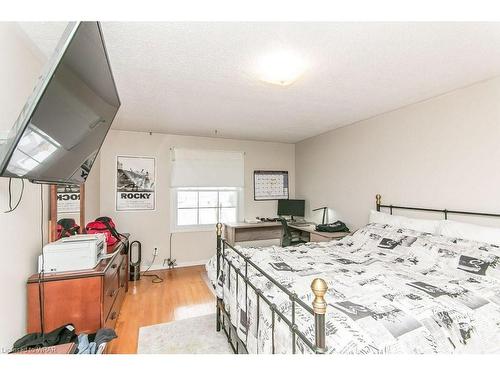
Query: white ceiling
[(194, 78)]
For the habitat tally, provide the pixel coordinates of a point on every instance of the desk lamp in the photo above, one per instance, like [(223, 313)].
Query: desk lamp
[(324, 213)]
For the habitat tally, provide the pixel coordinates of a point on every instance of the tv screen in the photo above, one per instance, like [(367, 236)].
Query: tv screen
[(60, 130)]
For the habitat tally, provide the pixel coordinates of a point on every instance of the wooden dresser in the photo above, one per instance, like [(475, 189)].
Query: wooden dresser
[(90, 299)]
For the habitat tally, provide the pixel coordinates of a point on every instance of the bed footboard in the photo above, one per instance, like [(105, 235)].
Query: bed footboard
[(317, 310)]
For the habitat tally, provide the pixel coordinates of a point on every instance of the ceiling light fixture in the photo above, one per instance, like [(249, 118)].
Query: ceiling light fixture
[(281, 68)]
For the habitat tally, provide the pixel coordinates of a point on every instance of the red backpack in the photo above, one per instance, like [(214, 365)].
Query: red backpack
[(106, 226)]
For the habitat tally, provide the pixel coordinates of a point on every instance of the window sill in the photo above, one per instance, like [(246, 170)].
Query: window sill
[(196, 228)]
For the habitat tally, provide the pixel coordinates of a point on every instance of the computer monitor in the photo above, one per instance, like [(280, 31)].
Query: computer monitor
[(291, 207)]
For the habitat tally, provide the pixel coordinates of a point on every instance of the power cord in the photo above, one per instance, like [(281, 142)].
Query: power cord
[(156, 278), (171, 262), (41, 285), (10, 196)]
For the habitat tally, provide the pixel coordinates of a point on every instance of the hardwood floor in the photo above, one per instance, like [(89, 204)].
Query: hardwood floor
[(183, 294)]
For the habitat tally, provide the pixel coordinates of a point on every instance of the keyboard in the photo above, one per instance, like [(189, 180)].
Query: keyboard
[(300, 224)]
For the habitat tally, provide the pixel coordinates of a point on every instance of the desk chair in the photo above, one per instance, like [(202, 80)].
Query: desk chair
[(288, 239)]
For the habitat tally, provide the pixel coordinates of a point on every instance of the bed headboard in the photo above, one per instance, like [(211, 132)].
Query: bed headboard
[(445, 211)]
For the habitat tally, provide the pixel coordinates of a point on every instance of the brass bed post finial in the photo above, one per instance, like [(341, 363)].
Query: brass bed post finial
[(319, 288), (378, 199), (218, 227)]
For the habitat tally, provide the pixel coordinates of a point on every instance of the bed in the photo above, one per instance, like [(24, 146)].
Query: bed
[(383, 289)]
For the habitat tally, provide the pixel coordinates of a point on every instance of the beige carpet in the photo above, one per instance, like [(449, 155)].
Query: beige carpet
[(187, 336)]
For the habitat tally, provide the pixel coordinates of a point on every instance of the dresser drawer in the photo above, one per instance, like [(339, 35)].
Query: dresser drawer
[(112, 318), (111, 284), (123, 275), (111, 290), (114, 286), (112, 270), (90, 299), (115, 309)]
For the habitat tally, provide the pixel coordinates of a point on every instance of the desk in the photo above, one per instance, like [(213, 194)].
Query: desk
[(241, 232), (310, 234)]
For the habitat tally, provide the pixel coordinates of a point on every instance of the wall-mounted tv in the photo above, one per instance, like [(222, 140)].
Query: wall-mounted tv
[(61, 128)]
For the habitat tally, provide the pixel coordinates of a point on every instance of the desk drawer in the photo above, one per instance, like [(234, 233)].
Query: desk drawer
[(258, 233), (319, 238), (316, 237)]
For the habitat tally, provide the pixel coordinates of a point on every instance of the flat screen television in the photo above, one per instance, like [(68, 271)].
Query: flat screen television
[(61, 128)]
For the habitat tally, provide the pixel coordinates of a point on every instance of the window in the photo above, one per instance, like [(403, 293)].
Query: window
[(198, 207), (206, 188)]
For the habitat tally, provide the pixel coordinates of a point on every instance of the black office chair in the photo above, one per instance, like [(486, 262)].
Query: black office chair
[(288, 239)]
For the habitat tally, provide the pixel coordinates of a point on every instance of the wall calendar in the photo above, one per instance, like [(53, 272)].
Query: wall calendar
[(269, 185)]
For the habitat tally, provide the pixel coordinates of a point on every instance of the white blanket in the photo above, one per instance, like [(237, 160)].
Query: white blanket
[(391, 290)]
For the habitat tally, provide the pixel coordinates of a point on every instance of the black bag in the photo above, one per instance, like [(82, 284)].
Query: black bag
[(67, 227), (338, 226), (61, 335)]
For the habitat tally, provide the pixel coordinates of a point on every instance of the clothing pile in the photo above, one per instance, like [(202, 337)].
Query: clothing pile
[(87, 344), (95, 343)]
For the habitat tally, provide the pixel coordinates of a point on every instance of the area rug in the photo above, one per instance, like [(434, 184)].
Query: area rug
[(187, 336)]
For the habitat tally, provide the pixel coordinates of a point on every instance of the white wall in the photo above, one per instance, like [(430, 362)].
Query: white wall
[(441, 153), (19, 230), (93, 192), (152, 228)]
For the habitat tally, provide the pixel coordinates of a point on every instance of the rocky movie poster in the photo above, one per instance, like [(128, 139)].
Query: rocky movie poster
[(135, 183), (68, 199)]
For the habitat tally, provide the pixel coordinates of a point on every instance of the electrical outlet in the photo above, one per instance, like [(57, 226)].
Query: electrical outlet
[(171, 262), (155, 251)]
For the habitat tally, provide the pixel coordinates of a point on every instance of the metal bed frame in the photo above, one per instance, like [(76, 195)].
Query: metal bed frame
[(444, 211), (318, 287), (317, 310)]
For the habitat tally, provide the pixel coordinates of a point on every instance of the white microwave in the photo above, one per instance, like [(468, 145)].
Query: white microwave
[(79, 252)]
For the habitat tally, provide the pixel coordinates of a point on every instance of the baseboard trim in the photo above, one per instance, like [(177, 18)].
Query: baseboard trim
[(159, 267)]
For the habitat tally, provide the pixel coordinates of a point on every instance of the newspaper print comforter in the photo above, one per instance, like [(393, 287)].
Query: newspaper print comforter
[(391, 290)]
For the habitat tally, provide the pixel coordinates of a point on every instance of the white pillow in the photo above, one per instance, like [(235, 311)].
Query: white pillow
[(383, 218), (467, 231), (420, 225)]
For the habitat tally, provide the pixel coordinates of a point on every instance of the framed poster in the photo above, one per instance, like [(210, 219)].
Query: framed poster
[(68, 199), (270, 185), (135, 183)]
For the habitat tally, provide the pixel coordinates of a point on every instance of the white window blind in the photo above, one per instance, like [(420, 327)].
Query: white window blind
[(206, 168)]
